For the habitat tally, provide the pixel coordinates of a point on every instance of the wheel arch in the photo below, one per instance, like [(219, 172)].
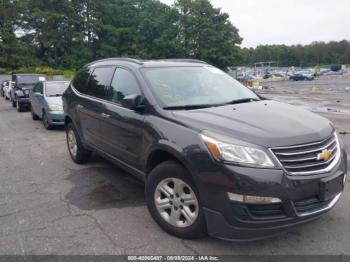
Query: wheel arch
[(162, 154)]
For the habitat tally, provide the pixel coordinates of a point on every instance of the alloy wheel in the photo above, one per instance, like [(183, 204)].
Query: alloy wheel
[(72, 143), (176, 202)]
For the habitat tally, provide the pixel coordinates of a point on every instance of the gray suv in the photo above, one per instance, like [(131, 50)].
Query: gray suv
[(216, 158)]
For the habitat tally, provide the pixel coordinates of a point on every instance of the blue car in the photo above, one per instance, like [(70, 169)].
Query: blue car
[(298, 77), (46, 102)]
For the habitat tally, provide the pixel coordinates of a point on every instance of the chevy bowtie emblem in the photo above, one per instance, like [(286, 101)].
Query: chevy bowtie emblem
[(325, 155)]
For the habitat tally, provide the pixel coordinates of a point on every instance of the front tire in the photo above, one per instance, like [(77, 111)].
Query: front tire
[(46, 122), (34, 116), (173, 201), (19, 106), (77, 151)]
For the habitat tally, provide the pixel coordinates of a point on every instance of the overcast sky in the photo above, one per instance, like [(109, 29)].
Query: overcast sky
[(287, 21)]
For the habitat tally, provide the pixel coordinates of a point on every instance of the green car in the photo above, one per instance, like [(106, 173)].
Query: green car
[(46, 102)]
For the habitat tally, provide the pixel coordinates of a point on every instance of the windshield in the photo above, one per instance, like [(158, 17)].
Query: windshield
[(29, 79), (194, 86), (56, 88)]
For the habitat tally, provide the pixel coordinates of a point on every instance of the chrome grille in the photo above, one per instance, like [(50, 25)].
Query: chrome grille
[(305, 159)]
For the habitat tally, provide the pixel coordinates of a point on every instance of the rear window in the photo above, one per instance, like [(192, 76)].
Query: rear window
[(100, 82)]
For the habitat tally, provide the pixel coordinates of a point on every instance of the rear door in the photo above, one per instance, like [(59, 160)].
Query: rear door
[(122, 128), (90, 106)]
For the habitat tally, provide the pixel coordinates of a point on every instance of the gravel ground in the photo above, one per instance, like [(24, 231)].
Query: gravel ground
[(48, 205)]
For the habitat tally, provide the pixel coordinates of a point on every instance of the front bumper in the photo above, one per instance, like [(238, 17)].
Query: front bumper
[(237, 221), (56, 118)]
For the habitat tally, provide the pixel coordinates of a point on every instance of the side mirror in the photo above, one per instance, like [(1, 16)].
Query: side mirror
[(133, 102)]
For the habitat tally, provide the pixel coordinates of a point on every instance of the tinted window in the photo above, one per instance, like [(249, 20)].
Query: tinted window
[(38, 88), (80, 80), (55, 88), (100, 82), (123, 84)]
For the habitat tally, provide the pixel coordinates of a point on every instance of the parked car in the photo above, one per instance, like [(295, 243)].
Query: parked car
[(23, 84), (215, 157), (2, 94), (299, 77), (7, 89), (46, 102)]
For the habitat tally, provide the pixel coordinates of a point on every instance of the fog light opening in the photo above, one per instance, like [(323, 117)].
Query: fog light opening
[(253, 199)]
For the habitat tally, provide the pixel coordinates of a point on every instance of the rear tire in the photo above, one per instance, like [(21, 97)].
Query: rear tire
[(177, 208), (77, 151)]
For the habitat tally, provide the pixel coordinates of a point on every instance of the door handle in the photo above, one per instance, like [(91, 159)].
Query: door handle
[(80, 106), (105, 115)]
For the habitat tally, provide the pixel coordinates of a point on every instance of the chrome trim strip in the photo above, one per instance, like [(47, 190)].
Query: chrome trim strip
[(329, 206), (305, 152), (298, 160), (325, 170), (312, 165)]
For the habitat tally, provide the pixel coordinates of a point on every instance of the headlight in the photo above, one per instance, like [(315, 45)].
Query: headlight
[(237, 154), (55, 108)]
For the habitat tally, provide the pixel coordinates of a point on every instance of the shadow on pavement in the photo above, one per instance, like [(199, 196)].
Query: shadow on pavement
[(104, 187)]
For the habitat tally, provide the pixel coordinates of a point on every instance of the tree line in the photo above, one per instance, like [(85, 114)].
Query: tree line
[(65, 34), (70, 33), (316, 53)]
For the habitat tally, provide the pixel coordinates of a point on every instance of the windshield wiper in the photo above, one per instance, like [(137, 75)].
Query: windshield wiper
[(188, 107), (55, 95), (242, 100)]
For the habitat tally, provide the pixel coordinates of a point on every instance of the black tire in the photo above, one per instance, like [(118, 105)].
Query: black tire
[(172, 169), (19, 106), (34, 116), (46, 122), (82, 154)]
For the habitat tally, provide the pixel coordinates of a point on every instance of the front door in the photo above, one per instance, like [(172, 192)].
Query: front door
[(122, 128), (37, 99)]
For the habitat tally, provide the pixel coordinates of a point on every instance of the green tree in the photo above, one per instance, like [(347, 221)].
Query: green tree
[(206, 33)]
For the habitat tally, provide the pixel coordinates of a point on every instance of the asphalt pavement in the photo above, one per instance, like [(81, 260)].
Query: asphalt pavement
[(51, 206)]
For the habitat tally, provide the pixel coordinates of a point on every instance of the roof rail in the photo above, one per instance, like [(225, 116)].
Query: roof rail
[(126, 59), (185, 60)]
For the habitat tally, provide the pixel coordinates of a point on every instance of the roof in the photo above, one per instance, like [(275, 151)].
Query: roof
[(147, 63)]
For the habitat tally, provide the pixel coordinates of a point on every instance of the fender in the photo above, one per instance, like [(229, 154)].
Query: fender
[(172, 149)]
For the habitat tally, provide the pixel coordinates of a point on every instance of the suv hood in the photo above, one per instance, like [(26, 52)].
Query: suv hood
[(266, 123)]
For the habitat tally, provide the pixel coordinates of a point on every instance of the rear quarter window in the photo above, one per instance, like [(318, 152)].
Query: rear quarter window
[(80, 81)]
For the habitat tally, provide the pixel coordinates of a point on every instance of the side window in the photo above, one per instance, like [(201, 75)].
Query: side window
[(100, 82), (40, 88), (123, 84), (80, 80), (35, 88)]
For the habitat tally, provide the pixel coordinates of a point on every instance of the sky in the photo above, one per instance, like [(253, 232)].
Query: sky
[(287, 21)]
